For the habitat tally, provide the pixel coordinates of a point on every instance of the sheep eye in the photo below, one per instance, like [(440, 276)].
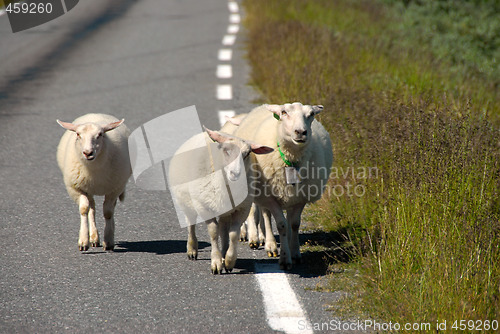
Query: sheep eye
[(78, 136), (99, 135), (283, 113)]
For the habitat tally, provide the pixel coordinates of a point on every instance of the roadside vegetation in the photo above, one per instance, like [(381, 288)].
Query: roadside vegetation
[(412, 103)]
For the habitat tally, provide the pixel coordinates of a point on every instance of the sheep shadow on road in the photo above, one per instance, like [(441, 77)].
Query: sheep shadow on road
[(159, 247)]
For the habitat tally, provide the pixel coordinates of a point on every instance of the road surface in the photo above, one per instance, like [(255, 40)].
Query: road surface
[(137, 60)]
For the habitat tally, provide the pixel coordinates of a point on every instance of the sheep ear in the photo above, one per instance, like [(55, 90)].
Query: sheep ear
[(233, 120), (216, 136), (111, 126), (275, 109), (317, 109), (261, 149), (67, 126)]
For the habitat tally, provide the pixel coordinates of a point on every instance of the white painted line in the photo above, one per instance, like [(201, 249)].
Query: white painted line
[(225, 54), (223, 114), (228, 40), (224, 92), (224, 71), (233, 7), (283, 310), (234, 18), (233, 29)]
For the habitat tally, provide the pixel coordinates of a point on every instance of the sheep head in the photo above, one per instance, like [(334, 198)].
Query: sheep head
[(296, 120), (231, 148), (90, 136)]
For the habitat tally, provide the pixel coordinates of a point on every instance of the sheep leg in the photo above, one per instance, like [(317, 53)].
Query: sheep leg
[(234, 223), (293, 216), (109, 228), (94, 234), (270, 245), (261, 227), (213, 231), (252, 221), (224, 224), (192, 243), (243, 232), (84, 207), (285, 260)]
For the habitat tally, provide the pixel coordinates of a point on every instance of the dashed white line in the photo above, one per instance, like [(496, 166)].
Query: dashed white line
[(225, 54), (233, 29), (224, 71), (283, 310), (233, 7), (228, 40), (223, 114), (234, 18), (224, 92)]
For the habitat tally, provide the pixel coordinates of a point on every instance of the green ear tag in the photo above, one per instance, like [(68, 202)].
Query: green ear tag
[(276, 116)]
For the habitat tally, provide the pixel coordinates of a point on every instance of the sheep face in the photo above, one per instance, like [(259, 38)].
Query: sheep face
[(89, 137), (296, 120), (232, 148)]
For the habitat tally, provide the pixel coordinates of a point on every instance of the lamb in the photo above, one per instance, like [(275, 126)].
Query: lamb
[(196, 160), (295, 174), (94, 159)]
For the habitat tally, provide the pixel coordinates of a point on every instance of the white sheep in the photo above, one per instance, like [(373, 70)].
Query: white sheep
[(94, 159), (304, 151), (199, 193)]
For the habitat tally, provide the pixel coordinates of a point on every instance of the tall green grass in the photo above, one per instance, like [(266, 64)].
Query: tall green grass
[(425, 232)]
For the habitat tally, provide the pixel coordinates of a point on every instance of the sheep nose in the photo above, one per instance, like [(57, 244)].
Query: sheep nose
[(89, 154), (301, 132)]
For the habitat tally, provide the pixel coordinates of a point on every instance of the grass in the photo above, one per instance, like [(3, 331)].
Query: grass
[(422, 233)]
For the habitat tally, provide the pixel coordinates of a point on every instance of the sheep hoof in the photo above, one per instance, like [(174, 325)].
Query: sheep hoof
[(83, 248), (217, 266), (108, 247), (243, 239), (95, 244), (216, 271), (229, 270), (192, 256), (262, 243), (272, 254), (254, 245)]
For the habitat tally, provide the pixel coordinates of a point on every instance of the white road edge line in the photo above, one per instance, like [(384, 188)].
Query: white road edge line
[(283, 310)]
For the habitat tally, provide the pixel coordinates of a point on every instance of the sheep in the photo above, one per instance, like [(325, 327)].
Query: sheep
[(195, 160), (303, 151), (94, 159)]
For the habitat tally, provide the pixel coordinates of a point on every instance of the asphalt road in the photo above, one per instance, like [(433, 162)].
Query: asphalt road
[(136, 60)]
